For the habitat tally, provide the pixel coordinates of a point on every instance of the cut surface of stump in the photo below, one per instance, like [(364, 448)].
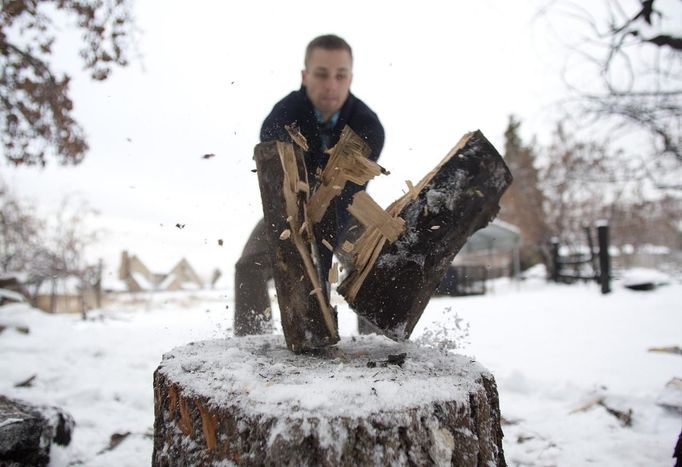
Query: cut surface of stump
[(400, 260), (367, 401)]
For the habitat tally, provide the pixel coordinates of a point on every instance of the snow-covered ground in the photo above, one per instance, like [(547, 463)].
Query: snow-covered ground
[(554, 350)]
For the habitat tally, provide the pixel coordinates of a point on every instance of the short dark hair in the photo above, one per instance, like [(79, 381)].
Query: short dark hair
[(327, 42)]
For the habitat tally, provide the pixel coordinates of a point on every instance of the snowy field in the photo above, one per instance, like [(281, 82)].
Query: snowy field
[(554, 350)]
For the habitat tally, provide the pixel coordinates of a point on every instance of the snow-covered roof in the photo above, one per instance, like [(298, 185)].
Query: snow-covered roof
[(170, 278), (113, 283), (498, 235), (142, 281), (11, 295), (20, 277)]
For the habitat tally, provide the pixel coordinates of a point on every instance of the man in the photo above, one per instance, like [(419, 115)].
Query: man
[(321, 108)]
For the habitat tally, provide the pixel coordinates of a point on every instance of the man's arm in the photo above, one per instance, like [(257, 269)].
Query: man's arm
[(283, 113), (374, 136)]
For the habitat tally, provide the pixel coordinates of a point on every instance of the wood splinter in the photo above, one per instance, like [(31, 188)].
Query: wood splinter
[(370, 214), (334, 273), (348, 161), (296, 136)]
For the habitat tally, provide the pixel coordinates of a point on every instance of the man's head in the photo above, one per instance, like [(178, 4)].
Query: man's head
[(328, 73)]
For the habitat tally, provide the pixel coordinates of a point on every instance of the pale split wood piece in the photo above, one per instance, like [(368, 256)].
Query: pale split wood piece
[(348, 161), (370, 214), (347, 246), (296, 136), (327, 245), (334, 273)]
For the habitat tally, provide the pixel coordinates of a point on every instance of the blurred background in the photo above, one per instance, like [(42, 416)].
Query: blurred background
[(155, 157)]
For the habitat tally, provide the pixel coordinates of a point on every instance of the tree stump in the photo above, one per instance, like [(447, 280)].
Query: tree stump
[(367, 401)]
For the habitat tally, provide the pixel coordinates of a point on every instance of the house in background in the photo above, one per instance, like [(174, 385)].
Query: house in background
[(491, 252), (66, 294), (138, 277), (496, 246), (181, 277)]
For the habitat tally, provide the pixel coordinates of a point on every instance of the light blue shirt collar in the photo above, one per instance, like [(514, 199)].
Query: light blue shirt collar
[(332, 121)]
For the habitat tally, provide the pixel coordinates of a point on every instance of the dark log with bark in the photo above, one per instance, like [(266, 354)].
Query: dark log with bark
[(27, 431), (366, 401), (392, 282), (308, 321)]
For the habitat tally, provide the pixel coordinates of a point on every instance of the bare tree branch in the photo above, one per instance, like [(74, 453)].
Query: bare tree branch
[(638, 67), (36, 117)]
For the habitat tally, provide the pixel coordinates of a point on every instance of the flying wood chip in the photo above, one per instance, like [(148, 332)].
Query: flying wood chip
[(296, 136)]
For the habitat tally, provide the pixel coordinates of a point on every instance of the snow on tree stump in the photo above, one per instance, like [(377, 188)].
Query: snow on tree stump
[(367, 401)]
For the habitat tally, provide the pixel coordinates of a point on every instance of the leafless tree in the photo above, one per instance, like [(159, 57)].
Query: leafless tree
[(577, 182), (47, 249), (36, 110), (19, 232), (583, 183), (628, 77)]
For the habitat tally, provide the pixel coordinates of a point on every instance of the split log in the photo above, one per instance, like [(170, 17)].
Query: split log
[(367, 401), (27, 432), (308, 321), (392, 282)]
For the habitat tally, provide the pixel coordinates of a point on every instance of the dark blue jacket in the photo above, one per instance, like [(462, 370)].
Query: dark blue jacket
[(296, 107)]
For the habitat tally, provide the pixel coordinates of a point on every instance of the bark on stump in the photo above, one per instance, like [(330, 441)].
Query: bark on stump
[(367, 401)]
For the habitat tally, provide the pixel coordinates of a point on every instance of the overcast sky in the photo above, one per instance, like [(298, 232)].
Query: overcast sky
[(209, 72)]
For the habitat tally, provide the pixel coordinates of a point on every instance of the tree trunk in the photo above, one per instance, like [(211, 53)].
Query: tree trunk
[(392, 281), (308, 320), (367, 401)]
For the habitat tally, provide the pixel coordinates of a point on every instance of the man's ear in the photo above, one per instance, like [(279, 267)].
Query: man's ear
[(303, 76)]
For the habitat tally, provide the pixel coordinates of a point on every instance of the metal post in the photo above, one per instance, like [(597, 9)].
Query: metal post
[(555, 259), (593, 256), (604, 258)]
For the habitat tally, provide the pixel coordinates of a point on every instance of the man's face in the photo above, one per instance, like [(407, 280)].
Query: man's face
[(327, 79)]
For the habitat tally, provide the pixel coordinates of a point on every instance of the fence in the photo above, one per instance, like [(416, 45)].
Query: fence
[(463, 280), (593, 266)]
